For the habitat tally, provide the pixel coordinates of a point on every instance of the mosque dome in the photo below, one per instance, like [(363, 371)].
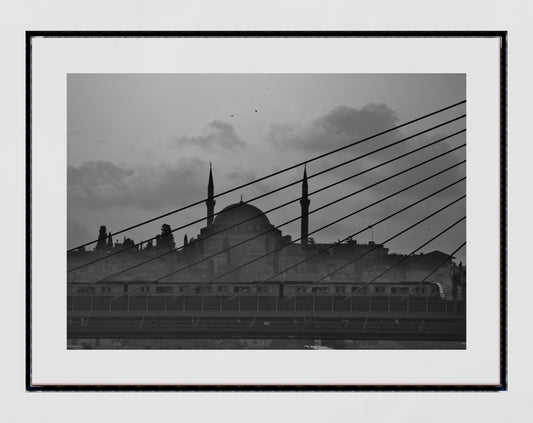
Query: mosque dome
[(241, 212)]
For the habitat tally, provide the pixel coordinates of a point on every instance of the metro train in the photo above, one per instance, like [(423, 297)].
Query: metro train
[(281, 289)]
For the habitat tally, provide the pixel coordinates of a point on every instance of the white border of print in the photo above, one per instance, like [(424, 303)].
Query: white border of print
[(53, 59)]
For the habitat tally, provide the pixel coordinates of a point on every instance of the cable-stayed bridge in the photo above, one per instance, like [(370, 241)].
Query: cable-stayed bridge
[(241, 277)]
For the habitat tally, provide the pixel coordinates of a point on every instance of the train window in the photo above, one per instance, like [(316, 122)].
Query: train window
[(379, 289), (203, 289), (300, 289), (163, 289), (360, 289), (262, 289), (88, 290), (222, 289), (340, 289), (240, 288)]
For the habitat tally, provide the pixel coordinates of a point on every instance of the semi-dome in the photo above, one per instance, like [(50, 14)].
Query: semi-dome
[(241, 212)]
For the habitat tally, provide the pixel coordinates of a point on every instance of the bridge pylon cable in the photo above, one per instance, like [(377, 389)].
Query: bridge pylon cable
[(297, 218), (365, 253), (286, 169), (434, 270), (393, 237), (411, 254), (292, 220), (336, 221), (136, 245)]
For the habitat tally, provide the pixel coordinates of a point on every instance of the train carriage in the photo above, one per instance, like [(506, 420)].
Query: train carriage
[(258, 288)]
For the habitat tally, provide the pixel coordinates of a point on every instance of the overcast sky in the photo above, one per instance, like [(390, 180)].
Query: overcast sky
[(140, 146)]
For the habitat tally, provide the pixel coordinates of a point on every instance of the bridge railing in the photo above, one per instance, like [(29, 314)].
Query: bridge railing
[(306, 303), (358, 324)]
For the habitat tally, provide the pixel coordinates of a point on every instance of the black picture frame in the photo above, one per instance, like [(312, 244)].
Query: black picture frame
[(501, 35)]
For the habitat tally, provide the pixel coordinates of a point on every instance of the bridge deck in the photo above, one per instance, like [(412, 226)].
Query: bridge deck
[(213, 328), (210, 303), (265, 317)]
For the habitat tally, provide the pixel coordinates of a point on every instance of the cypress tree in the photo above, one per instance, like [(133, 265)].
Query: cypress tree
[(102, 237), (166, 240)]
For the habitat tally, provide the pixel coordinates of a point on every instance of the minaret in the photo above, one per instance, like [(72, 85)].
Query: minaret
[(210, 203), (304, 203)]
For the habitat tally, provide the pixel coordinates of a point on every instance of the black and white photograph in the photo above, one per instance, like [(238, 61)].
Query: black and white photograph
[(266, 211)]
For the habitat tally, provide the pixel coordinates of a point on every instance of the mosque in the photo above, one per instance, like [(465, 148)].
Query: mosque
[(257, 242), (239, 243)]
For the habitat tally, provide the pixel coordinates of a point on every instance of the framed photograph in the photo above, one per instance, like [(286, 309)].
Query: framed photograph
[(266, 211)]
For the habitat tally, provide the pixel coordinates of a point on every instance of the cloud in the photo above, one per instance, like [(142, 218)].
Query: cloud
[(240, 175), (76, 234), (104, 184), (419, 173), (91, 176), (339, 126), (216, 136), (343, 125)]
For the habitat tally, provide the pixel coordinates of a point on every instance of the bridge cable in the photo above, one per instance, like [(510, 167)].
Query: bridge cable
[(331, 223), (390, 239), (356, 233), (273, 174), (297, 218), (434, 270), (334, 244), (107, 256), (412, 253)]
